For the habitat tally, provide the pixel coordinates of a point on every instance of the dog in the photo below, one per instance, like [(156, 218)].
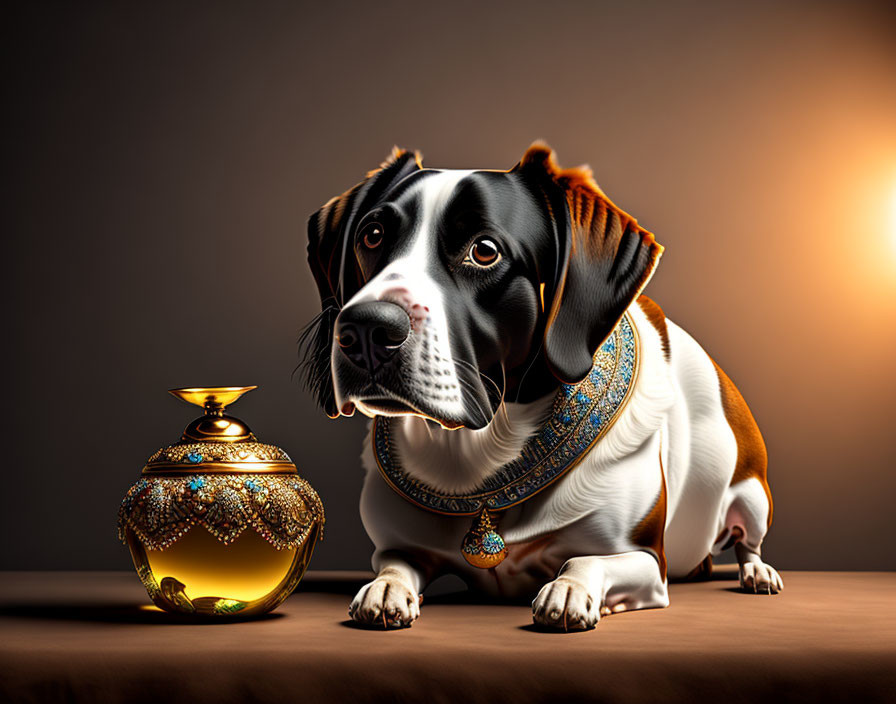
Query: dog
[(482, 319)]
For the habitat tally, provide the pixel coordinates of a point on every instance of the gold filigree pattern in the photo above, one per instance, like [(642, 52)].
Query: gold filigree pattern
[(198, 452), (282, 508)]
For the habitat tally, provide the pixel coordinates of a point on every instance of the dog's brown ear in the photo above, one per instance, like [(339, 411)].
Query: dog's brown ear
[(335, 271), (606, 260)]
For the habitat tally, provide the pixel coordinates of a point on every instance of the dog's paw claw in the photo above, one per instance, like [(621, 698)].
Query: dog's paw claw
[(565, 604), (760, 578), (386, 602)]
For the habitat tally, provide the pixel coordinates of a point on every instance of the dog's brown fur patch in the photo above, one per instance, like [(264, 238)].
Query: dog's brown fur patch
[(396, 153), (701, 571), (598, 223), (658, 319), (752, 457), (651, 531)]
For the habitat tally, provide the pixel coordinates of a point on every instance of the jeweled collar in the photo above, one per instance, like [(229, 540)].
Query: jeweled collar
[(582, 413)]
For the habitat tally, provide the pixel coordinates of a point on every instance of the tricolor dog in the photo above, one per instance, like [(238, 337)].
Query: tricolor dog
[(539, 427)]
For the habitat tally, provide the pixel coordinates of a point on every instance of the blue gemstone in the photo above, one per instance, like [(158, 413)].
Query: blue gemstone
[(196, 483), (252, 486), (193, 457), (492, 543)]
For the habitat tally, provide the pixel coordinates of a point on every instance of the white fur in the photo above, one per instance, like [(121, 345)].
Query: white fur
[(442, 459)]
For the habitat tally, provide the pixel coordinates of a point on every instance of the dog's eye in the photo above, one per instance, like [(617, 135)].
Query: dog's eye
[(371, 235), (484, 252)]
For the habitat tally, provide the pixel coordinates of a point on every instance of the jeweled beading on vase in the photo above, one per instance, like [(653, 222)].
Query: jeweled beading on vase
[(281, 508), (197, 452)]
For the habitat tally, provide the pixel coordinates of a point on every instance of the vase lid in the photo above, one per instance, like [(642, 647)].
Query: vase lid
[(216, 442)]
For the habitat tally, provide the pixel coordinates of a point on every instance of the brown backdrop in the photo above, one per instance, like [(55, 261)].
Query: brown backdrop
[(160, 162)]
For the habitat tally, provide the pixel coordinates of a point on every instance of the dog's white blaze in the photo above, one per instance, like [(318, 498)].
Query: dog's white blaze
[(406, 282)]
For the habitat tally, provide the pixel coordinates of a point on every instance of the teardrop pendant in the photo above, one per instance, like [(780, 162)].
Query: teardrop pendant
[(483, 546)]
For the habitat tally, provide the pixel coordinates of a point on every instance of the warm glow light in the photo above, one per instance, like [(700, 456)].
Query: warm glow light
[(247, 569), (893, 216)]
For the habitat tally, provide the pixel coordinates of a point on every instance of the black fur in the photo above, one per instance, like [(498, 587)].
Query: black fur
[(335, 270), (561, 241)]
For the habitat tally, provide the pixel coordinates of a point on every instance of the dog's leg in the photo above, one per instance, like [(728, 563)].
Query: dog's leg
[(745, 518), (755, 575), (392, 600), (588, 587)]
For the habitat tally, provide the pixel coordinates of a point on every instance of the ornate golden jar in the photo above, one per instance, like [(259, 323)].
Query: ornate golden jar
[(220, 524)]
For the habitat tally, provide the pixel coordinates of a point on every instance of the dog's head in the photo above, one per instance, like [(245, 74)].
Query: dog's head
[(445, 291)]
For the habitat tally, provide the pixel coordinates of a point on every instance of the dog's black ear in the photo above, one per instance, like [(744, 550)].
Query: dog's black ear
[(334, 268), (605, 261), (330, 227)]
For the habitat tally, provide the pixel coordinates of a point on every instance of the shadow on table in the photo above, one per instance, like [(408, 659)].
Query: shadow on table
[(449, 589), (121, 613), (334, 582)]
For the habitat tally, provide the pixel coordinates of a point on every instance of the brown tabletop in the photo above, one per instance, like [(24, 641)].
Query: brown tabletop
[(80, 636)]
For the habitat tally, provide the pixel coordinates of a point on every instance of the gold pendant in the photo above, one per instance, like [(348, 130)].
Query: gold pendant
[(482, 546)]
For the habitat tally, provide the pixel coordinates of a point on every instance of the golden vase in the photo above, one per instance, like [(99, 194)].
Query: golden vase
[(219, 524)]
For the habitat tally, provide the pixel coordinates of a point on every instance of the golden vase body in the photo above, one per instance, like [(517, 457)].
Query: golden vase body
[(219, 524)]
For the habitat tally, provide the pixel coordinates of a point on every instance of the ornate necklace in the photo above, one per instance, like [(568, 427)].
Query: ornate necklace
[(582, 414)]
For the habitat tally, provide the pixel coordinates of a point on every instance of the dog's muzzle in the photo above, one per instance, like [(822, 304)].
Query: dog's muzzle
[(370, 333)]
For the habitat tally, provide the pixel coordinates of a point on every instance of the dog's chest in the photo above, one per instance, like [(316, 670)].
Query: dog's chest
[(589, 511), (527, 567), (529, 563)]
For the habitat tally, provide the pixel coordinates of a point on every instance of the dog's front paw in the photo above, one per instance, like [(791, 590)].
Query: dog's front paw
[(760, 578), (566, 603), (387, 602)]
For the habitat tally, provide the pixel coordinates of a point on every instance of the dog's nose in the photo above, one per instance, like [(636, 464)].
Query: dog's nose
[(370, 333)]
